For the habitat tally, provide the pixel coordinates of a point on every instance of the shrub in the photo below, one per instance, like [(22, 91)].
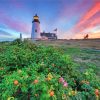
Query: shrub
[(30, 72)]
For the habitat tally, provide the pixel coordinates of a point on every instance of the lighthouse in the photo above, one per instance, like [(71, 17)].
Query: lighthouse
[(35, 28)]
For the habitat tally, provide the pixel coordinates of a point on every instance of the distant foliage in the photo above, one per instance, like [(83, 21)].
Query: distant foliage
[(31, 72), (16, 42)]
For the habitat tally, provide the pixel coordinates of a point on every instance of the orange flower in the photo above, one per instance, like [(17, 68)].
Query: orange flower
[(51, 93), (96, 92), (35, 81), (16, 82), (48, 79)]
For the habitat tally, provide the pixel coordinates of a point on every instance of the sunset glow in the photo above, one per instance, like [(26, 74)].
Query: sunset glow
[(72, 18)]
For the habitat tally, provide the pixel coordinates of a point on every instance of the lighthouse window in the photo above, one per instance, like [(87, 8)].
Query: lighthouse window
[(35, 30)]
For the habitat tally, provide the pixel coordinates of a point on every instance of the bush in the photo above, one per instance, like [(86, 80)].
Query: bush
[(16, 42), (30, 72)]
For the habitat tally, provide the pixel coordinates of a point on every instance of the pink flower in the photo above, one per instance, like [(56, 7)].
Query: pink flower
[(61, 80), (65, 84)]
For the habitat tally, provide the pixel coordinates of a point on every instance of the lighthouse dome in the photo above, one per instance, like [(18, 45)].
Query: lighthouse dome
[(36, 18)]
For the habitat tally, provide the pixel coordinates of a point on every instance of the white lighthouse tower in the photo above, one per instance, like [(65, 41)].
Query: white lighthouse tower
[(35, 28)]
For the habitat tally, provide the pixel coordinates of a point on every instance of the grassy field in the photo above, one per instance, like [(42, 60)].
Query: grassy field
[(89, 43), (85, 52)]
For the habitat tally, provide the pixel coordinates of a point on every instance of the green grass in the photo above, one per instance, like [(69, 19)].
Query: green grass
[(83, 56)]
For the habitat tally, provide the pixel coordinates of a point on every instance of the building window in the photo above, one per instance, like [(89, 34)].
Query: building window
[(35, 30)]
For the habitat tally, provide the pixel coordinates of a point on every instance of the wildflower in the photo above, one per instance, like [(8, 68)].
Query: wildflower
[(35, 81), (16, 82), (48, 78), (65, 84), (96, 92), (73, 92), (61, 80), (51, 93), (50, 75)]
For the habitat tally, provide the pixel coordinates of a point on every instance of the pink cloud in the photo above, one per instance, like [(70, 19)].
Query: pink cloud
[(95, 9), (73, 9), (91, 23), (18, 25), (89, 19)]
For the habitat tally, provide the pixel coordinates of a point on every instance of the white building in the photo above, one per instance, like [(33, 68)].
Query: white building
[(35, 28), (37, 34)]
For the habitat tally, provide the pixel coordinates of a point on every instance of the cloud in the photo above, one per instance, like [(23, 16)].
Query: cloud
[(69, 14), (6, 32), (93, 32), (85, 21), (75, 8), (15, 24), (91, 23), (95, 9), (95, 29), (3, 33)]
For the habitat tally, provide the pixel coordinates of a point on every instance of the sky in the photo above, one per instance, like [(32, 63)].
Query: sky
[(72, 18)]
